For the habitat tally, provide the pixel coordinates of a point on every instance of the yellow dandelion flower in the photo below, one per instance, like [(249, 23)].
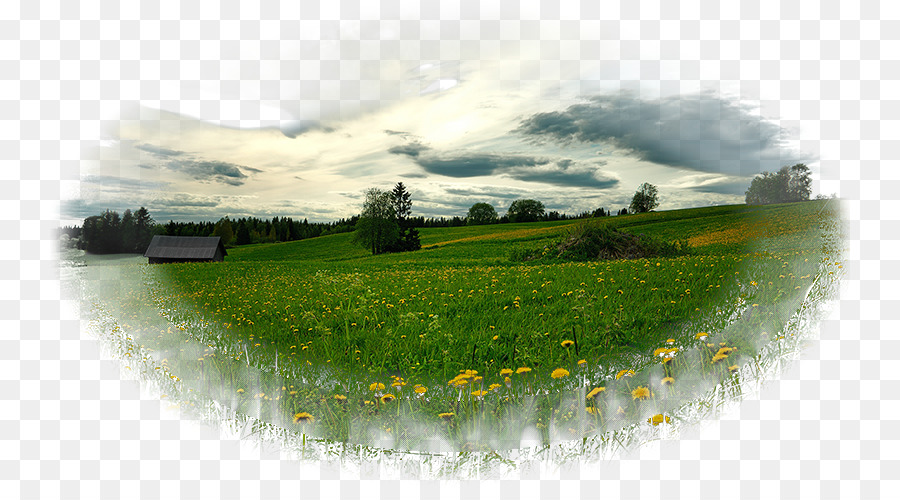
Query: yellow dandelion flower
[(340, 398), (733, 368), (495, 337), (445, 416), (667, 360), (701, 336), (494, 386), (478, 394), (522, 370), (303, 417), (560, 373), (566, 343), (620, 411), (505, 372), (477, 379), (640, 393), (725, 350), (398, 383), (507, 381), (660, 351), (420, 389), (668, 381), (240, 391), (670, 341), (719, 357), (658, 419), (624, 373), (582, 361), (376, 386), (592, 410), (387, 398), (595, 391)]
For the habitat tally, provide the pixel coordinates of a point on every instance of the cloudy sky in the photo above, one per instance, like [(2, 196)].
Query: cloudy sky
[(572, 121)]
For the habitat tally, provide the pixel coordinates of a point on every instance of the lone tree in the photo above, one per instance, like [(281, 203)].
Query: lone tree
[(408, 238), (645, 199), (481, 213), (224, 230), (525, 211), (787, 185), (377, 228)]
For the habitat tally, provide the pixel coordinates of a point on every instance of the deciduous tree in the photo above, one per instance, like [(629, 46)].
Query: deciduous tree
[(525, 211), (481, 213), (645, 199), (787, 185), (377, 228), (224, 230)]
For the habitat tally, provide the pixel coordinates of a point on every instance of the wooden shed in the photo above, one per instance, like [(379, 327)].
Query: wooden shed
[(165, 249)]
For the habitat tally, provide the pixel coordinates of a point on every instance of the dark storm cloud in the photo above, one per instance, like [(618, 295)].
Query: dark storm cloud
[(463, 164), (476, 164), (564, 178), (728, 187), (700, 132), (158, 151), (215, 171), (412, 149)]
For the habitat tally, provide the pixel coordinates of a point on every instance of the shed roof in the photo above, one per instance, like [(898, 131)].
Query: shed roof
[(184, 247)]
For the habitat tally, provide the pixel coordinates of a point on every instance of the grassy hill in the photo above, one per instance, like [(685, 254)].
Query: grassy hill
[(722, 229), (310, 322)]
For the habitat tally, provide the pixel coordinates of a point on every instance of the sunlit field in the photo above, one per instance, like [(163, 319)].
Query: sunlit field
[(463, 346)]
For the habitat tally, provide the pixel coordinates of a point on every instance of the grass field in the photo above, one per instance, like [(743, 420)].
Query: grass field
[(460, 341)]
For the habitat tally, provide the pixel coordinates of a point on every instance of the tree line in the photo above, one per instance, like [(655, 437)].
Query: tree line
[(386, 223), (111, 233)]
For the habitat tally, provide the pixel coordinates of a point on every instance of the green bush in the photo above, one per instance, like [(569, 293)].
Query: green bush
[(591, 241)]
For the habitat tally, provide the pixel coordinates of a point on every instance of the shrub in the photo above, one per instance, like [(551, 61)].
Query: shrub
[(591, 241)]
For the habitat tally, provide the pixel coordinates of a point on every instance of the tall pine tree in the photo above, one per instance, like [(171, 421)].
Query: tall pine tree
[(402, 204)]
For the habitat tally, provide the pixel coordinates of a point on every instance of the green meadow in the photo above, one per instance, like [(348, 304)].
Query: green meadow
[(487, 332)]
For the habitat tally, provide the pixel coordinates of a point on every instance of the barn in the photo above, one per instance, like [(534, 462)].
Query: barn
[(164, 249)]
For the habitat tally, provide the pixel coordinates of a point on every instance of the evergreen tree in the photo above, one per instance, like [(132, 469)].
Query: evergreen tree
[(402, 204)]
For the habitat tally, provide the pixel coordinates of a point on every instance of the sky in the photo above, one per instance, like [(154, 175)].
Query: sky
[(361, 105)]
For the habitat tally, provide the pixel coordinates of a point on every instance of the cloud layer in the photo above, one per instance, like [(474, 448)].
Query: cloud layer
[(699, 132), (199, 169), (528, 168)]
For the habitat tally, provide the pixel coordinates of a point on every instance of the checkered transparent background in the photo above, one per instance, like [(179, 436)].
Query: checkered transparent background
[(74, 427)]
